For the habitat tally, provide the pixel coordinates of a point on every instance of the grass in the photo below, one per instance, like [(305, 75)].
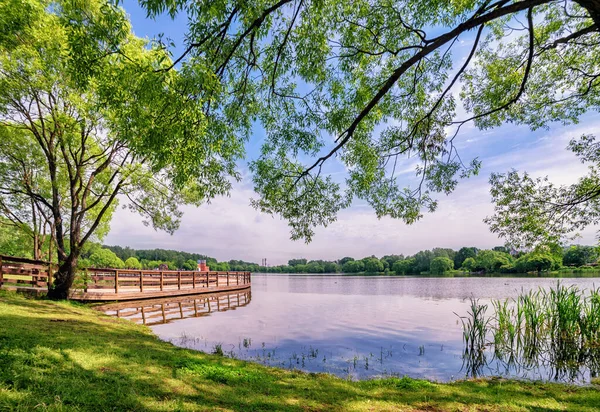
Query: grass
[(65, 356)]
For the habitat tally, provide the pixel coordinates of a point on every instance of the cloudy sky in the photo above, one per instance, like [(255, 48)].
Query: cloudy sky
[(229, 228)]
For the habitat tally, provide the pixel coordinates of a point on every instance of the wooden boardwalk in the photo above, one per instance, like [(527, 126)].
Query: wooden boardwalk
[(119, 284)]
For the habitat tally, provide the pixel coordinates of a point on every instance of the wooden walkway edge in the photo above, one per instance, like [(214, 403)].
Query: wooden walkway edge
[(110, 284), (125, 296)]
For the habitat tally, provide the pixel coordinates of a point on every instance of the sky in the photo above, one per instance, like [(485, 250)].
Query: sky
[(229, 228)]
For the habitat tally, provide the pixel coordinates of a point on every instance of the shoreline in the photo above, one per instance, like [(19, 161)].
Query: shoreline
[(67, 356)]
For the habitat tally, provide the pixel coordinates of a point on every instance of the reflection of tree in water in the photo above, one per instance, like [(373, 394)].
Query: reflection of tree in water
[(551, 335)]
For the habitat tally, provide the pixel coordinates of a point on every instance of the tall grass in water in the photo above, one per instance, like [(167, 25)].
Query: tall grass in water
[(475, 327), (556, 329), (475, 331)]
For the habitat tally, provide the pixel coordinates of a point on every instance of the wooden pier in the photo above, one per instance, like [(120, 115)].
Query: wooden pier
[(119, 284)]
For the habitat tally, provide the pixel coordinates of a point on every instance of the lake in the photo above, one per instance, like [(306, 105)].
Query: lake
[(355, 327)]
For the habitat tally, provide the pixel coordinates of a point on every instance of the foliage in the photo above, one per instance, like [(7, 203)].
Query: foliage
[(353, 266), (441, 265), (537, 262), (104, 258), (404, 267), (462, 254), (469, 264), (371, 84), (530, 211), (578, 255), (132, 263), (490, 261), (373, 265), (88, 117)]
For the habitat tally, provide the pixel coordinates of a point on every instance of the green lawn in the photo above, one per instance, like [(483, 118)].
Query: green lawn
[(65, 356)]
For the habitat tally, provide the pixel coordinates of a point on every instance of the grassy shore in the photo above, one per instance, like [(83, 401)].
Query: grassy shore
[(65, 356)]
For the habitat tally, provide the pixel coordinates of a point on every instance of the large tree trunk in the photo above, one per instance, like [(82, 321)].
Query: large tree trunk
[(63, 279)]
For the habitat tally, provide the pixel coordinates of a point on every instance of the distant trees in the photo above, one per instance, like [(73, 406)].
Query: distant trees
[(490, 261), (104, 258), (462, 254), (438, 261), (373, 265), (469, 264), (441, 265), (132, 263), (535, 262), (580, 255), (403, 267), (296, 262), (353, 266), (344, 260)]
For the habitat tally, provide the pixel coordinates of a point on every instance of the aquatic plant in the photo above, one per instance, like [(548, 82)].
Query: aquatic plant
[(218, 350), (557, 330)]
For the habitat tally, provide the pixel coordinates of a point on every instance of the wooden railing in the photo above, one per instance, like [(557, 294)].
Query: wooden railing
[(22, 272), (128, 280)]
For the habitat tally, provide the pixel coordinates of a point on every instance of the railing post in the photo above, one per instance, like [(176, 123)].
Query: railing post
[(227, 278), (161, 280), (217, 279), (116, 281), (141, 280), (194, 279), (49, 274), (179, 280), (207, 280), (85, 278), (1, 273)]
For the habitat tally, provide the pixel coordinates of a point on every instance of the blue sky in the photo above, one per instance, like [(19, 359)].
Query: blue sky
[(229, 228)]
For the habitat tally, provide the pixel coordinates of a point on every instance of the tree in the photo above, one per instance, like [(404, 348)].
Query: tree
[(389, 260), (370, 83), (404, 267), (491, 261), (132, 263), (104, 258), (462, 254), (104, 120), (373, 265), (580, 255), (296, 262), (343, 260), (535, 262), (441, 265), (422, 261), (353, 266), (469, 264)]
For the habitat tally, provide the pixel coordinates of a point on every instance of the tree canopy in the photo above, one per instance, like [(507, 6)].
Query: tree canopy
[(370, 83), (90, 115)]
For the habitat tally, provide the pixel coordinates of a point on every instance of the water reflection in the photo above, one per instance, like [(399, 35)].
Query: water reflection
[(358, 327), (161, 311)]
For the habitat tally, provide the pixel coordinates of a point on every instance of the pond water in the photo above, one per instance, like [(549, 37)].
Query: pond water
[(355, 327)]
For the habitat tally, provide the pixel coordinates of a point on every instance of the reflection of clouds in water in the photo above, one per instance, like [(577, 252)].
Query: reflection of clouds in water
[(344, 317)]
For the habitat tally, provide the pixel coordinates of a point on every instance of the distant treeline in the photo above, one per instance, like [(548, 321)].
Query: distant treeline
[(437, 261)]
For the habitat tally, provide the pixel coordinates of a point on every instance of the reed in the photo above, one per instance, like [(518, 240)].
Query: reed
[(558, 329), (475, 327)]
